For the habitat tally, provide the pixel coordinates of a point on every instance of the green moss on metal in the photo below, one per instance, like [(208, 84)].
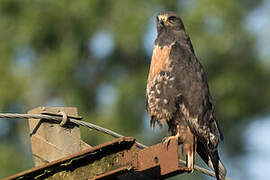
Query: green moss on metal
[(97, 167)]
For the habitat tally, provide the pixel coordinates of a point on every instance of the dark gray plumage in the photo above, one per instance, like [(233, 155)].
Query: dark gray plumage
[(178, 93)]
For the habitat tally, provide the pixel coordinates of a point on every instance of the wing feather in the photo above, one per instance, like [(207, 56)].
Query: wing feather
[(191, 83)]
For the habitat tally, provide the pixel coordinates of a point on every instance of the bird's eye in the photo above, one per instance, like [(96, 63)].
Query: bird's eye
[(172, 18)]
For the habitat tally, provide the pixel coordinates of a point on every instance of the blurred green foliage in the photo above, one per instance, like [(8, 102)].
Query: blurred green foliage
[(46, 59)]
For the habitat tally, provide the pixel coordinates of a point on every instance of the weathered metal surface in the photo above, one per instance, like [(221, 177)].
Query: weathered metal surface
[(161, 160), (127, 160), (86, 164), (51, 141), (119, 159), (113, 174)]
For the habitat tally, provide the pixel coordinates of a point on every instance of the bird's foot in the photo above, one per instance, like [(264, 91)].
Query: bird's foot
[(166, 140)]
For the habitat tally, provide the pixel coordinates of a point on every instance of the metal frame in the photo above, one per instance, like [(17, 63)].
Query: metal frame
[(59, 153), (113, 160)]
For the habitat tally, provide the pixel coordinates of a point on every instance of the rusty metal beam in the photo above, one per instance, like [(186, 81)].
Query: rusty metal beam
[(83, 165), (119, 159)]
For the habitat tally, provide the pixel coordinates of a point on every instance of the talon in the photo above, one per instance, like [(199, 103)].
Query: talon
[(164, 140), (167, 140)]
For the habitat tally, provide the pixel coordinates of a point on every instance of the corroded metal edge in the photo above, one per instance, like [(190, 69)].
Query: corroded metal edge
[(125, 141), (161, 160), (118, 157)]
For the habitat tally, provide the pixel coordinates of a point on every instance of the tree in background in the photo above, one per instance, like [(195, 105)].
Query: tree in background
[(95, 55)]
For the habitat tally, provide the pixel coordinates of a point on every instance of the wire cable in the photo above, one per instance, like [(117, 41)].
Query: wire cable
[(88, 125)]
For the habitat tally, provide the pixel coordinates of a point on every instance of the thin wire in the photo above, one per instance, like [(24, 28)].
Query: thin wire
[(71, 119), (91, 126)]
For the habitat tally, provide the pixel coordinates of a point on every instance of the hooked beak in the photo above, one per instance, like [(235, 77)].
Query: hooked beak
[(161, 22)]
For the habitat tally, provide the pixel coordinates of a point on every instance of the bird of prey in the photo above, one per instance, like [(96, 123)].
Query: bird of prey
[(178, 93)]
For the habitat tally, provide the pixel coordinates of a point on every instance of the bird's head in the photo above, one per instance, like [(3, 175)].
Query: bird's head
[(168, 20)]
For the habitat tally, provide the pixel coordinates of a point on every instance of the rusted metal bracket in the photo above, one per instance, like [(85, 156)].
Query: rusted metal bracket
[(161, 160), (117, 159)]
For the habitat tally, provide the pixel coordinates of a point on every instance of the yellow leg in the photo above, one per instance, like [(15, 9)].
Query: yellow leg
[(167, 140)]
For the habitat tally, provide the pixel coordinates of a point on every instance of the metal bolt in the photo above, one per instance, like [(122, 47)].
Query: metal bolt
[(156, 160)]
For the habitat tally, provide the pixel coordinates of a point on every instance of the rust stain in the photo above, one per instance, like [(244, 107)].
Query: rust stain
[(124, 142), (159, 61), (159, 161)]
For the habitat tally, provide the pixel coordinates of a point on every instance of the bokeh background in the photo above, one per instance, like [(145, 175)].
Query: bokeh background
[(95, 55)]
